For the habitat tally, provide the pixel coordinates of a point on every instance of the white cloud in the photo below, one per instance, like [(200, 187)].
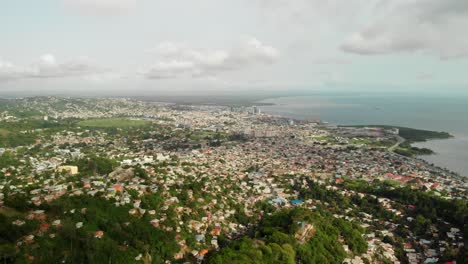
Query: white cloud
[(332, 60), (171, 69), (178, 60), (101, 7), (316, 15), (372, 27), (427, 26), (9, 71), (105, 77), (425, 76), (48, 67)]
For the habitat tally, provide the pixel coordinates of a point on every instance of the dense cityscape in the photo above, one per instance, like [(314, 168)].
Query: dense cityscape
[(128, 181)]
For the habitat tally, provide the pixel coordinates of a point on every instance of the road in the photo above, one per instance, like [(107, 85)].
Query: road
[(400, 141)]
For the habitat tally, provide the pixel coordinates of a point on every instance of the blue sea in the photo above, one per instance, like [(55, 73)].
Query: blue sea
[(431, 112)]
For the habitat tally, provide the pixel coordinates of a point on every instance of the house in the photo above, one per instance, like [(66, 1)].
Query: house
[(99, 234), (39, 215), (132, 211), (155, 222), (216, 231), (29, 238), (431, 260), (279, 201), (296, 202), (70, 170), (118, 187), (200, 237), (179, 255), (214, 243), (18, 222), (44, 227)]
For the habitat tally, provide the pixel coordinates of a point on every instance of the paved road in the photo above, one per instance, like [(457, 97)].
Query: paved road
[(400, 140)]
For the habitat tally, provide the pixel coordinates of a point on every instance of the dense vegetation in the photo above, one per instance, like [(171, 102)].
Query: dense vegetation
[(112, 122), (9, 234), (275, 240), (8, 159), (418, 135), (94, 165), (124, 236), (414, 135), (406, 149), (26, 132), (426, 204)]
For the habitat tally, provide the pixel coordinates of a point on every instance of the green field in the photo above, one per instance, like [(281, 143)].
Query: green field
[(4, 132), (10, 212), (361, 141), (112, 122), (203, 135)]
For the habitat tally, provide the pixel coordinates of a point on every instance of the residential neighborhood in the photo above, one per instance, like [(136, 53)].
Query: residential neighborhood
[(203, 175)]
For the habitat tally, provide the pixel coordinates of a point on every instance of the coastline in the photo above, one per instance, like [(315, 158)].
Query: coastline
[(447, 153), (411, 137), (444, 156)]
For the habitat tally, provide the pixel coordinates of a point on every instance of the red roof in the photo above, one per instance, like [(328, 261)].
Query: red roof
[(118, 188), (44, 227)]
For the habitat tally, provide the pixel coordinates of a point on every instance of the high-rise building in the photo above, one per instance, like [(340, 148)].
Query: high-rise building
[(256, 110)]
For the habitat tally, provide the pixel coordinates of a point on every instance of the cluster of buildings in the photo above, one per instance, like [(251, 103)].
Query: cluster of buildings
[(223, 181)]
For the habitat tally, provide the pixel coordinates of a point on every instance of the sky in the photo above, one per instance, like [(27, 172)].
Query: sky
[(179, 47)]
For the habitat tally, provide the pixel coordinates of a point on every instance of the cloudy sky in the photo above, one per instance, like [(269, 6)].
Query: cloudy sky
[(209, 46)]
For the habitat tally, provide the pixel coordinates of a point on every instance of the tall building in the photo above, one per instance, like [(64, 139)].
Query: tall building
[(256, 110)]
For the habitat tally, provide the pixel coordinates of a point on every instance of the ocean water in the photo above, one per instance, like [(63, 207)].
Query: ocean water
[(431, 112)]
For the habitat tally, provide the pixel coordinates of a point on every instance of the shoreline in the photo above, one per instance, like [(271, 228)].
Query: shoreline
[(418, 157), (413, 136), (449, 154)]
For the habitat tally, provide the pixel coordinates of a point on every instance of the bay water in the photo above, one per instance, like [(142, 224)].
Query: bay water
[(431, 112)]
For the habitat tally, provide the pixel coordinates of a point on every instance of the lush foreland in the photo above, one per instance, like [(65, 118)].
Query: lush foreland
[(419, 135), (412, 135)]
